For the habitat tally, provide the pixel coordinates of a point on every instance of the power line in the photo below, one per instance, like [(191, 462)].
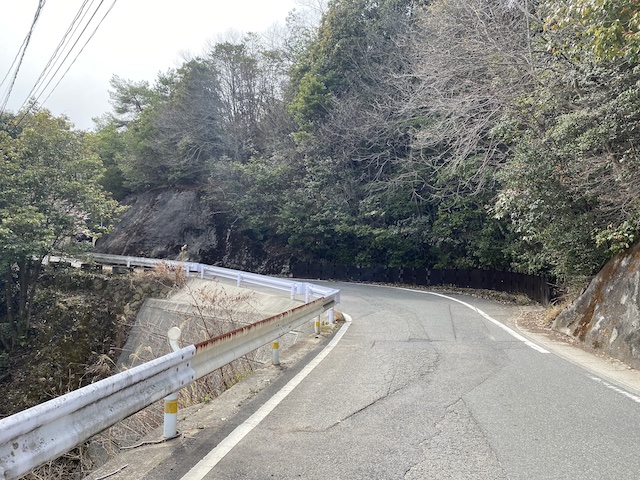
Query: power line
[(25, 42), (81, 50), (73, 27), (66, 39), (71, 49), (15, 59), (20, 55)]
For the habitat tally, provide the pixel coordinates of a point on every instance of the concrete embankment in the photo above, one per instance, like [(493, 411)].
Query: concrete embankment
[(202, 309)]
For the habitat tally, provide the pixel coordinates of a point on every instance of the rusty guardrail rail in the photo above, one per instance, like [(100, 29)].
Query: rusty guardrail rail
[(42, 433)]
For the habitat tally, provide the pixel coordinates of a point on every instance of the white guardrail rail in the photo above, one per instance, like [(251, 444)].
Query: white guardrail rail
[(207, 271), (44, 432)]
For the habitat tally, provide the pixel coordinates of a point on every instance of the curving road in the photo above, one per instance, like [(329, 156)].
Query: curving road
[(421, 386)]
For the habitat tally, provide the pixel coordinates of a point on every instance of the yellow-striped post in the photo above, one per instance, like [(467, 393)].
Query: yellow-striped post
[(275, 348), (317, 327), (171, 401), (170, 415)]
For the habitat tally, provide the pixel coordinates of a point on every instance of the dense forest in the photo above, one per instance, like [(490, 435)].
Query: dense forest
[(446, 133), (464, 134)]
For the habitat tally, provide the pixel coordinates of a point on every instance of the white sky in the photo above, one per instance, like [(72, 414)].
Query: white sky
[(138, 39)]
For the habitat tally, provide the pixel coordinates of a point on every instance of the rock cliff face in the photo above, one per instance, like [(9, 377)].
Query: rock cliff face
[(607, 315), (181, 222)]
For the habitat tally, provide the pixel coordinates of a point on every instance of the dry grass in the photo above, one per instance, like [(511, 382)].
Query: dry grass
[(165, 274), (213, 312)]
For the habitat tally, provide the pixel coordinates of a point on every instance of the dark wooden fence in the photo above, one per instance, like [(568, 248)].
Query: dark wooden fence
[(536, 288)]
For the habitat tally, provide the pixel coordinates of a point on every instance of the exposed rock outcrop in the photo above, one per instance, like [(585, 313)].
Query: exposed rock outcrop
[(607, 315), (180, 222)]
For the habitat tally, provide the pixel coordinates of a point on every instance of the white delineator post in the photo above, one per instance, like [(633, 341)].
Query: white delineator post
[(171, 401), (275, 347)]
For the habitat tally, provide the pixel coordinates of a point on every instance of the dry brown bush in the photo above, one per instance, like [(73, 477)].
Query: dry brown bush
[(214, 311)]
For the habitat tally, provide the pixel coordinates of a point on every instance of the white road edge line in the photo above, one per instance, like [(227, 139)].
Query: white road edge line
[(511, 332), (204, 466), (633, 397)]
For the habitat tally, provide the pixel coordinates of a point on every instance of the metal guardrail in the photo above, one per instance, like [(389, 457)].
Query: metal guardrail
[(208, 271), (44, 432)]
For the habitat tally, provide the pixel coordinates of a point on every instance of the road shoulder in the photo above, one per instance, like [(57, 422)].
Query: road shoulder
[(531, 325), (221, 414)]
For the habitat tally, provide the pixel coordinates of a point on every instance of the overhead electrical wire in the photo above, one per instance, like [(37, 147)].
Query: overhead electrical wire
[(81, 50), (75, 43), (15, 59), (73, 27), (19, 58), (81, 22)]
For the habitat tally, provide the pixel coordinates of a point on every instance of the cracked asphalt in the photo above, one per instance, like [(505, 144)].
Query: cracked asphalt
[(422, 387)]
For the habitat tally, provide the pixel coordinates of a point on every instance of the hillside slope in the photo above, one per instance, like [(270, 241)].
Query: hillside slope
[(606, 316), (174, 222)]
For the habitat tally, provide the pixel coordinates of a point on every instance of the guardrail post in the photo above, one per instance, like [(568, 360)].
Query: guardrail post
[(294, 288), (239, 280), (331, 315), (275, 348), (201, 268), (307, 293), (171, 401)]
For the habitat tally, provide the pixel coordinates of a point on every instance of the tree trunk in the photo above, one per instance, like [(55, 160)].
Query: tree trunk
[(34, 277), (24, 276), (8, 284), (23, 286)]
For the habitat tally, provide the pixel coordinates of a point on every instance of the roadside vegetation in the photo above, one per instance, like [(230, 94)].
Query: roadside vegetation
[(486, 134), (81, 320), (81, 323), (444, 134), (456, 134)]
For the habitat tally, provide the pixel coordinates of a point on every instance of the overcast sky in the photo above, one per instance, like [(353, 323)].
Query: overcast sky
[(138, 39)]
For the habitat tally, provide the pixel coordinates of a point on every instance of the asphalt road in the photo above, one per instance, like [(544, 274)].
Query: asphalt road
[(423, 387)]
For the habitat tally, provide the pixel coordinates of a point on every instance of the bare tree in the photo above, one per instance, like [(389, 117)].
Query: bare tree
[(470, 60)]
